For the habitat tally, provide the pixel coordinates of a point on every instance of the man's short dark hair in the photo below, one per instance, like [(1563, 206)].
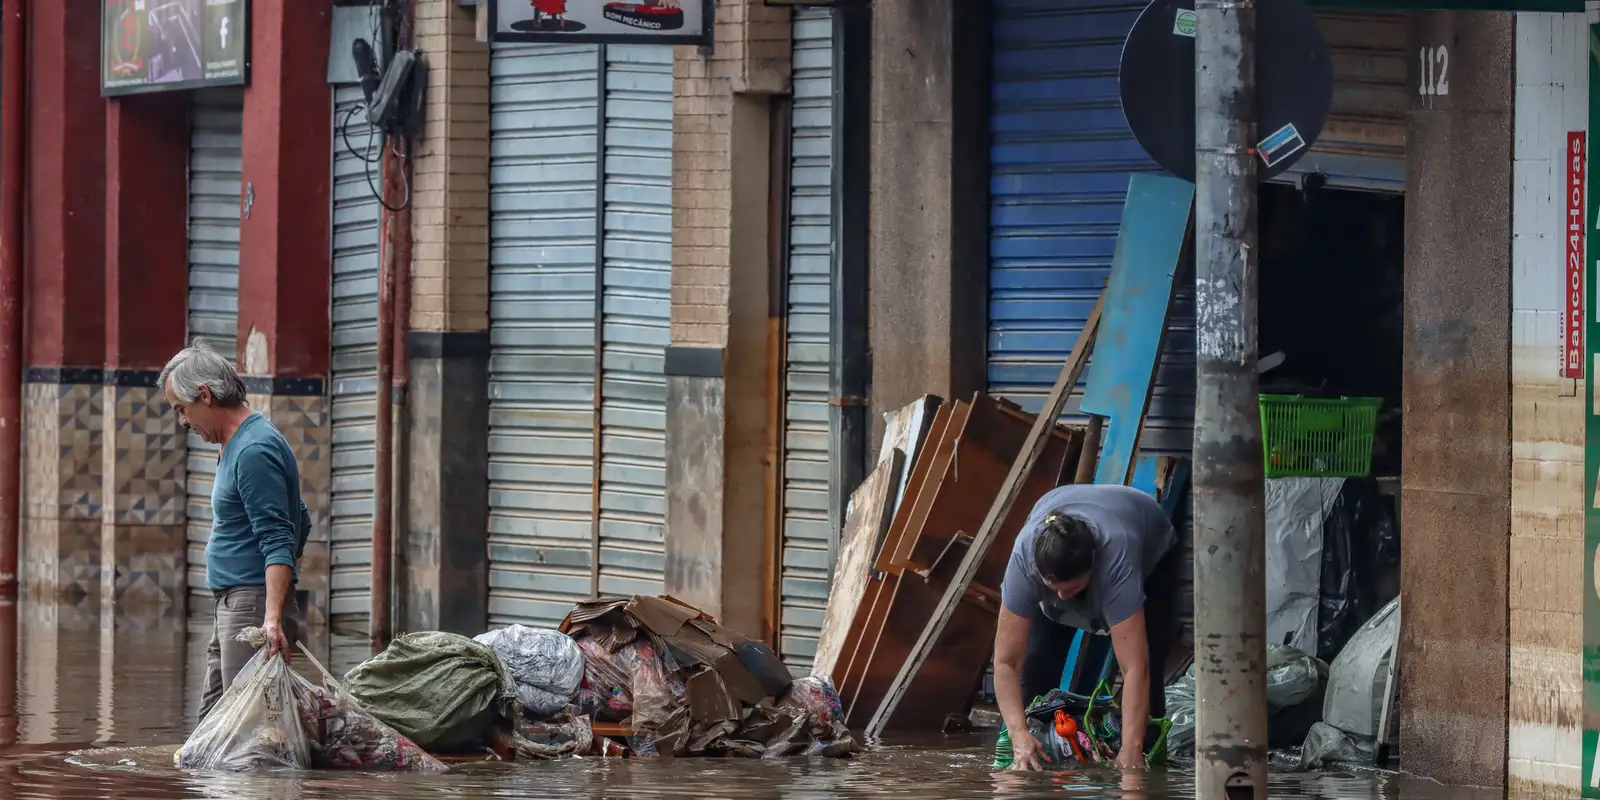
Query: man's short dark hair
[(1065, 548)]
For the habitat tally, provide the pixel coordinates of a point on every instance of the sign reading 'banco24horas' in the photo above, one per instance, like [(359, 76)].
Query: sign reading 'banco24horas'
[(169, 45), (603, 21)]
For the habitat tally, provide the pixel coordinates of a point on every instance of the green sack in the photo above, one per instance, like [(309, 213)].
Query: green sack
[(440, 690)]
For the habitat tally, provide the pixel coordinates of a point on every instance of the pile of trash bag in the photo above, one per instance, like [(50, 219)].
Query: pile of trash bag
[(547, 666), (687, 686), (1295, 684), (444, 691), (1078, 730), (271, 717)]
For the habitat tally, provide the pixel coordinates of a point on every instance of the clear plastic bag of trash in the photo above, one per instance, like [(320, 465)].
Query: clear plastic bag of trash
[(1292, 678), (659, 693), (258, 723), (606, 692), (546, 665), (1326, 745), (271, 717)]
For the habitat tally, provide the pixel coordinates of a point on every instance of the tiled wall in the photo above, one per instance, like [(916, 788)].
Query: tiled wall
[(304, 421), (104, 486), (144, 512), (62, 489), (1547, 427)]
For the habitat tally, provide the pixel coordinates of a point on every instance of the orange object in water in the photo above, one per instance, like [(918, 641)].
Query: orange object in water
[(1067, 728)]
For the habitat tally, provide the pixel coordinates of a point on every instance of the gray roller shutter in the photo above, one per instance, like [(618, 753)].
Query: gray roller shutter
[(1363, 143), (542, 269), (215, 164), (636, 313), (356, 157), (807, 564)]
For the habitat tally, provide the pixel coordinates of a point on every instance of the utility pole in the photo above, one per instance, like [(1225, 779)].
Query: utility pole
[(1229, 505)]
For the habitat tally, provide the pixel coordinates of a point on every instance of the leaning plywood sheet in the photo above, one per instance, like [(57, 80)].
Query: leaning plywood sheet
[(906, 428), (865, 522)]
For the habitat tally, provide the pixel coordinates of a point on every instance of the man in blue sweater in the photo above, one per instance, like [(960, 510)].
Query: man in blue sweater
[(258, 521)]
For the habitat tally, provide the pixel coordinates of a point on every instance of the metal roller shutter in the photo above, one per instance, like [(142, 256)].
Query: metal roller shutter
[(215, 166), (1363, 144), (542, 198), (353, 387), (807, 564), (1061, 156), (636, 311)]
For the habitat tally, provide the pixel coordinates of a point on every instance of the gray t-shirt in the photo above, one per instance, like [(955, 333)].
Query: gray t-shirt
[(1134, 534)]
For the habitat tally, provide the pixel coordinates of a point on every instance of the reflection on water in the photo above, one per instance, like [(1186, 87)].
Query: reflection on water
[(93, 708)]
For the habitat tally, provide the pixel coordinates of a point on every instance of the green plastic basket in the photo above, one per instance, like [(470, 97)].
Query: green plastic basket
[(1305, 437)]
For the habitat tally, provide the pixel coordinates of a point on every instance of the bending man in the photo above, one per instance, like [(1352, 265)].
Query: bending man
[(258, 522), (1098, 559)]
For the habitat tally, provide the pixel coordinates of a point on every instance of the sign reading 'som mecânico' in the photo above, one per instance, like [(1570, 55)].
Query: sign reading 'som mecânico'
[(614, 21)]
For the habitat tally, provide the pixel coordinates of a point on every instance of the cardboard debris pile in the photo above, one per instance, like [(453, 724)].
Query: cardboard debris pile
[(690, 687)]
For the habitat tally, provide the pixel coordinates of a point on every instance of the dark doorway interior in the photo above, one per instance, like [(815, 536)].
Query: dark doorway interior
[(1332, 287)]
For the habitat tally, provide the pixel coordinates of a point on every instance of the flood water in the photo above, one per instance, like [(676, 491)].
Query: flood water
[(101, 704)]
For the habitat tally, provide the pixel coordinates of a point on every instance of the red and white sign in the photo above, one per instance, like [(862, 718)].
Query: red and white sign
[(1572, 316)]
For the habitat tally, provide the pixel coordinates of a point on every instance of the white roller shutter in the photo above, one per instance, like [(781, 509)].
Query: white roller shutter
[(357, 155), (542, 269), (636, 317), (215, 166), (807, 566)]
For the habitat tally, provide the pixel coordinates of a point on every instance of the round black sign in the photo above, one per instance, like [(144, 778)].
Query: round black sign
[(1294, 84)]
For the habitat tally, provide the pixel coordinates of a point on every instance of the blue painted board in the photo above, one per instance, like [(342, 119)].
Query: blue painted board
[(1155, 224)]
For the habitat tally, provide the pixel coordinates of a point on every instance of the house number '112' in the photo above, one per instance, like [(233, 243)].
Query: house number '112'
[(1435, 71)]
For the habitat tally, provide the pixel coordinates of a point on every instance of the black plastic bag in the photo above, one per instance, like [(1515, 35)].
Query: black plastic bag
[(1360, 560)]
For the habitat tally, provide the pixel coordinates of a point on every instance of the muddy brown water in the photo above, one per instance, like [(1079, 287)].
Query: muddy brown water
[(101, 703)]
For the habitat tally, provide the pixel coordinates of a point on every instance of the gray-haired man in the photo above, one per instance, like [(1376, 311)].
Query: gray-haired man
[(258, 522)]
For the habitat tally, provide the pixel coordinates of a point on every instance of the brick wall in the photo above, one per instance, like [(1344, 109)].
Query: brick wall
[(1547, 427), (751, 55), (450, 195)]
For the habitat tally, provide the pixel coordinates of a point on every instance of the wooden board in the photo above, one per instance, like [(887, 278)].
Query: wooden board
[(1150, 244), (864, 628), (905, 429), (1035, 443), (907, 518), (866, 520), (977, 462)]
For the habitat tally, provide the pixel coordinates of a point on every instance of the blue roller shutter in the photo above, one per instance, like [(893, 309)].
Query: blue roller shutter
[(1061, 156)]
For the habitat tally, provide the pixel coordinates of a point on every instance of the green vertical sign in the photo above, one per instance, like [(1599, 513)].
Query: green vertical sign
[(1591, 464)]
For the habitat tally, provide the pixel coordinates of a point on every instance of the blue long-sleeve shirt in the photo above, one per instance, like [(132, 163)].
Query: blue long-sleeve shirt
[(255, 508)]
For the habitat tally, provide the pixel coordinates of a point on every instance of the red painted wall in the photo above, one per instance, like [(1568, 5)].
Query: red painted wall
[(106, 233), (285, 250), (146, 229), (65, 229)]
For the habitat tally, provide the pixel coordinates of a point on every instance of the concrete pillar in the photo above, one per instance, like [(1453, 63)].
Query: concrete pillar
[(65, 257), (143, 545), (929, 209), (719, 363), (285, 269), (444, 559), (1455, 490)]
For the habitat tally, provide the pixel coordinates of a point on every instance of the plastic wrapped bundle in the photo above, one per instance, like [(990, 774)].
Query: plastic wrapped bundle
[(658, 690), (353, 739), (548, 666), (257, 723), (607, 688), (273, 718), (819, 699)]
